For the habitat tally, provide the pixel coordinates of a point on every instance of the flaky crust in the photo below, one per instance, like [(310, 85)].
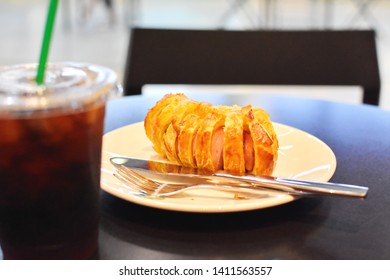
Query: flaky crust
[(199, 135), (233, 152)]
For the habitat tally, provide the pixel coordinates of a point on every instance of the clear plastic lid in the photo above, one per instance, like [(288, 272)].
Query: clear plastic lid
[(67, 84)]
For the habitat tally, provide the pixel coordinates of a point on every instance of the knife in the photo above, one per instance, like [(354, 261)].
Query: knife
[(174, 174)]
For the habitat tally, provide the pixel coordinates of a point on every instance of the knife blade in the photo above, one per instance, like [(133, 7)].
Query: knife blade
[(175, 174)]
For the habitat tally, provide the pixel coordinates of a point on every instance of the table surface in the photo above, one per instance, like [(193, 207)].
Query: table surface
[(307, 228)]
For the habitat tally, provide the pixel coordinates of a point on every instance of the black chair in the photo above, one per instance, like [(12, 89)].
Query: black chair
[(158, 56)]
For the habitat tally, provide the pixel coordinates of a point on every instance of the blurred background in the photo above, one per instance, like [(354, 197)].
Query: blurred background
[(97, 31)]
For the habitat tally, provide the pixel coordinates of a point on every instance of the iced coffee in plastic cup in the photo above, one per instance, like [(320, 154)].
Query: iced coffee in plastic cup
[(50, 155)]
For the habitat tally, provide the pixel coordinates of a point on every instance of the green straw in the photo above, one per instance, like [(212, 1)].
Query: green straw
[(51, 15)]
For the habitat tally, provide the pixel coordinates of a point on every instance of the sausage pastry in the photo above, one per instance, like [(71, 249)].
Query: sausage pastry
[(238, 140)]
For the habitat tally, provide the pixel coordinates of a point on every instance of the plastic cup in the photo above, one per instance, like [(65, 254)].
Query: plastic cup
[(50, 156)]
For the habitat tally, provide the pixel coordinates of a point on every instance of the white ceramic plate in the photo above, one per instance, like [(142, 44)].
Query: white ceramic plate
[(301, 156)]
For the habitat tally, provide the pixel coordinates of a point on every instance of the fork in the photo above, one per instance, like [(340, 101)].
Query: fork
[(132, 179)]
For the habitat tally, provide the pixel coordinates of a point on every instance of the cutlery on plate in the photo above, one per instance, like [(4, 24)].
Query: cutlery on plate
[(136, 182), (174, 175)]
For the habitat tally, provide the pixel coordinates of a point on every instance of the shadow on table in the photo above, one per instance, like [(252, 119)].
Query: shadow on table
[(136, 232)]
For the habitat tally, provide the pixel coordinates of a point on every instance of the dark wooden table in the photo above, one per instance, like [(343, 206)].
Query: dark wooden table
[(308, 228)]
